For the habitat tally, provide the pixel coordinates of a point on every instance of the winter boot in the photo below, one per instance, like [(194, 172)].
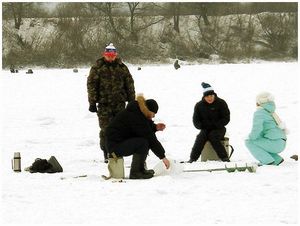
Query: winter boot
[(226, 159), (105, 155), (146, 170), (137, 165)]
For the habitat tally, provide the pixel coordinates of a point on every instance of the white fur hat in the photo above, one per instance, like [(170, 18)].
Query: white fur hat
[(264, 97)]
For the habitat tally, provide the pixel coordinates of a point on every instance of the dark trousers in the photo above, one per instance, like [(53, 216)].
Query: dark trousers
[(139, 148), (214, 137), (136, 145), (106, 113)]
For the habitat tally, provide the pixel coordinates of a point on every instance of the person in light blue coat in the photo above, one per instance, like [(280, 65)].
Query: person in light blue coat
[(268, 135)]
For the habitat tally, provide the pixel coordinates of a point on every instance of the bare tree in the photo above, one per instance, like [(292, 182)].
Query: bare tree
[(137, 24), (132, 8), (75, 10), (118, 25), (18, 10), (277, 31), (203, 13), (174, 8), (106, 9)]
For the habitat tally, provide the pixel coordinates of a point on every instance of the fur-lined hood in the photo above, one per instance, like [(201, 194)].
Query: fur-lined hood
[(143, 107), (140, 104)]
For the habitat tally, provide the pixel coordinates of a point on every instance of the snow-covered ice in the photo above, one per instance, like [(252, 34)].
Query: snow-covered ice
[(46, 113)]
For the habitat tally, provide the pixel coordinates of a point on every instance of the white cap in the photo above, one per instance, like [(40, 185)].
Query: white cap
[(110, 48)]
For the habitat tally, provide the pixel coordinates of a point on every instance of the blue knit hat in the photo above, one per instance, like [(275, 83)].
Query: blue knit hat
[(207, 89)]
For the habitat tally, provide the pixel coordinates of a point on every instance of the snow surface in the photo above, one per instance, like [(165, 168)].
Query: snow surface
[(46, 114)]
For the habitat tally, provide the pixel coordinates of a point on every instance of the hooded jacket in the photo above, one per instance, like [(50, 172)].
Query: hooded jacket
[(264, 125), (211, 116), (133, 122)]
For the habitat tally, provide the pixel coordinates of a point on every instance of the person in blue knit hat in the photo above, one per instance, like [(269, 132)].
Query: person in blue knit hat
[(211, 115)]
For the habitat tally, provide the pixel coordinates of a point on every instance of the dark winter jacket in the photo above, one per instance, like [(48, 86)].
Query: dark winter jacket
[(211, 116), (110, 83), (132, 122)]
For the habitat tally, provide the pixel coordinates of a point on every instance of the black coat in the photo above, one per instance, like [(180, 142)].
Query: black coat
[(131, 123), (211, 116)]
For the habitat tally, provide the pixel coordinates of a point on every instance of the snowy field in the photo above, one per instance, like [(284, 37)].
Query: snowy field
[(46, 114)]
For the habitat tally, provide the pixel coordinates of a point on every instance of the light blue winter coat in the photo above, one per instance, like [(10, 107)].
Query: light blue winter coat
[(264, 125)]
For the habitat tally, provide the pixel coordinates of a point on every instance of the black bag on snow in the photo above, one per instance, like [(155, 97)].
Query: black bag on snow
[(44, 166), (40, 166)]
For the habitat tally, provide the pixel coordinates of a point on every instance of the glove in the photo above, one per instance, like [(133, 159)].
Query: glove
[(283, 127), (93, 108)]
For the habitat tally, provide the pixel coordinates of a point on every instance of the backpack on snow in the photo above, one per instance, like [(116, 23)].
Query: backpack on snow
[(44, 166)]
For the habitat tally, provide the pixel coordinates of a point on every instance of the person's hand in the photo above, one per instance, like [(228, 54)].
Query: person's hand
[(166, 162), (93, 108), (160, 126), (282, 126)]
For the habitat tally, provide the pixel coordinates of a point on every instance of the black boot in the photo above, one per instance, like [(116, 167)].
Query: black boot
[(226, 159), (105, 155), (137, 165), (103, 148), (145, 170), (191, 160)]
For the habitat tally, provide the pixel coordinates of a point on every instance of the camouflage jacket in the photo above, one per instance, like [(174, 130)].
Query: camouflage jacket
[(110, 83)]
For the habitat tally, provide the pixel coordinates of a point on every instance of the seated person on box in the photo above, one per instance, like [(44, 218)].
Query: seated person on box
[(211, 115)]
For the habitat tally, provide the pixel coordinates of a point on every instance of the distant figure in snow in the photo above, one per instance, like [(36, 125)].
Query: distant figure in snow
[(30, 71), (132, 132), (110, 85), (295, 157), (268, 134), (13, 70), (176, 65), (211, 115)]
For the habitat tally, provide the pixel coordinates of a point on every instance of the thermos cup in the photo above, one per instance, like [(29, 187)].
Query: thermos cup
[(16, 162)]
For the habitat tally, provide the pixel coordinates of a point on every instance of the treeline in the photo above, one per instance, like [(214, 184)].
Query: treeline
[(91, 9), (152, 32)]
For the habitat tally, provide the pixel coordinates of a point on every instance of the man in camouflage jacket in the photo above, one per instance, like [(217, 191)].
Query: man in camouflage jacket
[(109, 86)]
